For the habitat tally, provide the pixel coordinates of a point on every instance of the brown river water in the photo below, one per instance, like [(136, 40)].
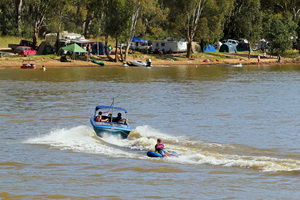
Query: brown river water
[(236, 130)]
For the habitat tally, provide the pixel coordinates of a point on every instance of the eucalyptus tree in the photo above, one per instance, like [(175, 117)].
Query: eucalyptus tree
[(55, 18), (120, 20), (37, 10), (116, 25), (152, 23), (278, 30), (289, 9), (245, 21), (184, 19), (12, 12), (211, 24), (283, 6), (133, 7)]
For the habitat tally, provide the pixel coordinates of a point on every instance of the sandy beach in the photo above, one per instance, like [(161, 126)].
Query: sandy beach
[(176, 59)]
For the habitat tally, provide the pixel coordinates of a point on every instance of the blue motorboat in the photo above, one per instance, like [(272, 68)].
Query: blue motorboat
[(110, 123)]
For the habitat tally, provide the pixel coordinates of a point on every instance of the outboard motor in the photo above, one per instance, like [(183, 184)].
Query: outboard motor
[(149, 63)]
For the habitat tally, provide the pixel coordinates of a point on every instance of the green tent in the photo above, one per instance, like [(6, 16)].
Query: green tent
[(75, 48)]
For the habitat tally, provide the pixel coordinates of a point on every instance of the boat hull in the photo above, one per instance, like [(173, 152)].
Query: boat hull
[(110, 128), (98, 62)]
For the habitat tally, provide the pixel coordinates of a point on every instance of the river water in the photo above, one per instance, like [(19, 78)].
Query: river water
[(236, 130)]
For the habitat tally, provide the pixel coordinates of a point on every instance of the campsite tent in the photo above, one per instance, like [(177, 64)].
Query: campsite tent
[(210, 48), (242, 46), (45, 48), (74, 48), (98, 49), (135, 39), (228, 47)]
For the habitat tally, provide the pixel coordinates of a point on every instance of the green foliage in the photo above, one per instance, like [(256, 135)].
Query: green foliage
[(274, 20), (279, 31), (245, 20), (211, 24)]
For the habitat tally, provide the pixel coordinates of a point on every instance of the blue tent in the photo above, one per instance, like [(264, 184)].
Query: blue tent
[(210, 48), (98, 48), (135, 39)]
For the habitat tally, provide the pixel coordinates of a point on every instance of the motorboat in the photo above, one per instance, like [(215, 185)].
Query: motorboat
[(110, 123), (28, 64), (138, 63)]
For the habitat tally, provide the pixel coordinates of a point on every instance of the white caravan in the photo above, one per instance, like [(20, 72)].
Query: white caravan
[(175, 46)]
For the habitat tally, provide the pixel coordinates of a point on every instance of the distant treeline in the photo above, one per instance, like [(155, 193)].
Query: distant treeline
[(277, 21)]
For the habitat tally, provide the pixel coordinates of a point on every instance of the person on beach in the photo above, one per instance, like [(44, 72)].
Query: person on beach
[(109, 49), (160, 148), (258, 58), (265, 54), (279, 58)]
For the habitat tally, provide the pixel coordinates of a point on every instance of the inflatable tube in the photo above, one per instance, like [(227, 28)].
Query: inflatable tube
[(154, 154)]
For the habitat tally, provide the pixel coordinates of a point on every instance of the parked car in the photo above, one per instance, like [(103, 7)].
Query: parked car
[(24, 50)]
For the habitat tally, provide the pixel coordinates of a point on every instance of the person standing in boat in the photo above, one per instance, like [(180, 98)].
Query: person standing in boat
[(160, 148)]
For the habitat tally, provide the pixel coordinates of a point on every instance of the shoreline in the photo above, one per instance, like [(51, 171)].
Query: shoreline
[(16, 62)]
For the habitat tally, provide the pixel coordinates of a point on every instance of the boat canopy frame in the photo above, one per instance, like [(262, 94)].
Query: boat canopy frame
[(109, 108)]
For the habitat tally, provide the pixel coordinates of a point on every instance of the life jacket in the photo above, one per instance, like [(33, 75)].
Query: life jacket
[(159, 147)]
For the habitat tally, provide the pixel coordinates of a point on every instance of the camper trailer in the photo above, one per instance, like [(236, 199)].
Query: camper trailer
[(64, 36), (175, 46)]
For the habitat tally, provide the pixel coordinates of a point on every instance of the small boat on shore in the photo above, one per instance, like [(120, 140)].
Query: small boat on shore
[(110, 124), (138, 63), (98, 62), (28, 64)]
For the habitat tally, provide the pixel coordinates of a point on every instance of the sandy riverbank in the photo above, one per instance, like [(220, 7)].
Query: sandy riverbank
[(171, 60)]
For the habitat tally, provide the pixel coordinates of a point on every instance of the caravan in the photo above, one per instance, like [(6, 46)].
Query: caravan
[(169, 46)]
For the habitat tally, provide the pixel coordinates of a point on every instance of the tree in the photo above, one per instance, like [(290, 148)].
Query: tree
[(55, 18), (116, 21), (152, 23), (211, 24), (13, 9), (37, 10), (184, 18), (135, 6), (245, 21), (279, 30)]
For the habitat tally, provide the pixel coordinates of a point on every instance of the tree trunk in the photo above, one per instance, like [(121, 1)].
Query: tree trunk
[(106, 46), (106, 49), (57, 46), (86, 26), (36, 35), (116, 51), (189, 49), (19, 14)]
